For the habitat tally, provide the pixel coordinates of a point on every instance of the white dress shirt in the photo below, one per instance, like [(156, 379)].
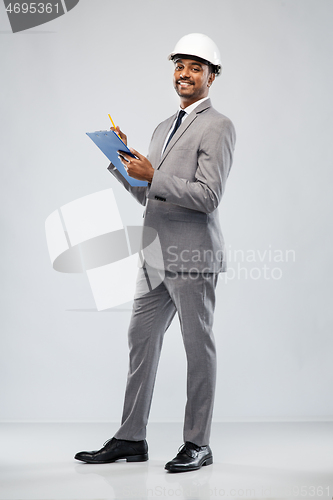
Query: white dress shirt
[(187, 110)]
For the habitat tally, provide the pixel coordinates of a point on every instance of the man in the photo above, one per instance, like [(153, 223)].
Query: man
[(190, 156)]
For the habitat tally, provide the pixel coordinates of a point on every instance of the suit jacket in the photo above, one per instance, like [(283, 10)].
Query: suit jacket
[(187, 187)]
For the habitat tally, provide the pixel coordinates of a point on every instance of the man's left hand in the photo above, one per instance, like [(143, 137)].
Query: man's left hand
[(139, 168)]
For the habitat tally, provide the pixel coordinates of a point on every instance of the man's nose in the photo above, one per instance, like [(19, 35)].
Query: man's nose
[(185, 73)]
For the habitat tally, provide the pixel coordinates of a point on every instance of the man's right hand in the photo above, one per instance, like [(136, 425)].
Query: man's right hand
[(121, 134)]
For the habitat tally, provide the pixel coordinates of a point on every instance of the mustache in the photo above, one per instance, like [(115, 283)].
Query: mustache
[(185, 80)]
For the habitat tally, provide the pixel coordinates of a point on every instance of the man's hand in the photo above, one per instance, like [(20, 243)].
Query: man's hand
[(140, 167), (121, 134)]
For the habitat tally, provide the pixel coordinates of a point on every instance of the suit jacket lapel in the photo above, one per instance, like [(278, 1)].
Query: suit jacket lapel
[(168, 125), (183, 127)]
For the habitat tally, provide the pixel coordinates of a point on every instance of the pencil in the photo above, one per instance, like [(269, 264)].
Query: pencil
[(112, 122), (114, 126)]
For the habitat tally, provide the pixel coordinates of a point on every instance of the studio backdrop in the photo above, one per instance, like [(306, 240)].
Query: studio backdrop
[(63, 356)]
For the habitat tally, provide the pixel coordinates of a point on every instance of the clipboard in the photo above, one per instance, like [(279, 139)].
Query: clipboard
[(110, 143)]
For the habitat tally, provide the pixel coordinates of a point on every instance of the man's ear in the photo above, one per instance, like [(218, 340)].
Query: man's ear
[(211, 78)]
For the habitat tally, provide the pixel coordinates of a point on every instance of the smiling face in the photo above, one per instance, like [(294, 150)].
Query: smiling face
[(191, 80)]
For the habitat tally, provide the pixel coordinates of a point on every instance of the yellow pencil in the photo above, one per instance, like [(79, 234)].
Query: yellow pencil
[(113, 125), (112, 121)]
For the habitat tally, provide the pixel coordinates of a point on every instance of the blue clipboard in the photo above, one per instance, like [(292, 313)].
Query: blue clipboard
[(110, 143)]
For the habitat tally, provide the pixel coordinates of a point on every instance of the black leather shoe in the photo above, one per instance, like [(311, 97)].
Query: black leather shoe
[(190, 457), (115, 449)]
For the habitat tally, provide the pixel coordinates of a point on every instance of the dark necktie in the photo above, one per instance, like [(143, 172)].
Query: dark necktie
[(176, 127)]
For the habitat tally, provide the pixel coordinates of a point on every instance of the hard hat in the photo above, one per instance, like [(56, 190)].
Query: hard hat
[(199, 45)]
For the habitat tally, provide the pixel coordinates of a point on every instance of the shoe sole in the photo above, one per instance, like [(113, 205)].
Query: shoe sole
[(207, 461), (130, 458)]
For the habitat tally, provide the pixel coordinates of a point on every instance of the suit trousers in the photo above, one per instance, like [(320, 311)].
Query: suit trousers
[(192, 296)]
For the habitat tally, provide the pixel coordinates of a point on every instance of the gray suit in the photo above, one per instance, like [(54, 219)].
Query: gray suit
[(182, 206)]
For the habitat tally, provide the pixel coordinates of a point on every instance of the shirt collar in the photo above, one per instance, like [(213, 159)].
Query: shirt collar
[(190, 108)]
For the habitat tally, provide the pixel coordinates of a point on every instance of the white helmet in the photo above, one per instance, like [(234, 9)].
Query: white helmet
[(199, 45)]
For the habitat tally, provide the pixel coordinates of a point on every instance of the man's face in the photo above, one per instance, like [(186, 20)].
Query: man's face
[(191, 80)]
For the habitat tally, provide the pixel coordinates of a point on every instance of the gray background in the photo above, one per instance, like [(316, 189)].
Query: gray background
[(60, 360)]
